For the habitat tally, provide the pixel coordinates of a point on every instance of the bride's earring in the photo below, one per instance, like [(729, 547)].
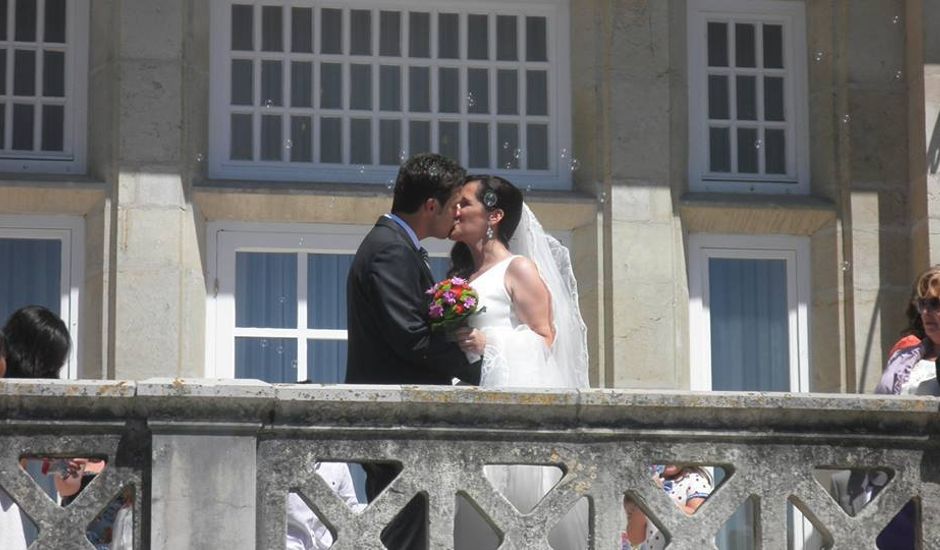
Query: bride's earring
[(489, 232)]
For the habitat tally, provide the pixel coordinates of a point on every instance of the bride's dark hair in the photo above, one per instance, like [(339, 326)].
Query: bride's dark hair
[(508, 199)]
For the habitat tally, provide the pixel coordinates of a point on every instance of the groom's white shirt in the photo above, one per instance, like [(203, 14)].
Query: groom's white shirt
[(404, 225)]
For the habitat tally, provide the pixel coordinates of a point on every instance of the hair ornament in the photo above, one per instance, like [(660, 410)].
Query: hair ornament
[(489, 198)]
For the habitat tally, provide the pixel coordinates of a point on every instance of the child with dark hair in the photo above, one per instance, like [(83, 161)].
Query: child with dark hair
[(37, 343)]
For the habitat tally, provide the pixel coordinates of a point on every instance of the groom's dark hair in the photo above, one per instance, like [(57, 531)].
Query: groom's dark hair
[(425, 176)]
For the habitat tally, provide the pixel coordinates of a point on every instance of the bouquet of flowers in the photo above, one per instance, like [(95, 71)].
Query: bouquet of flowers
[(453, 301)]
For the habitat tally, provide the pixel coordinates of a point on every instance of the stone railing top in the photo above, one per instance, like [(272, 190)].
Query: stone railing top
[(256, 404)]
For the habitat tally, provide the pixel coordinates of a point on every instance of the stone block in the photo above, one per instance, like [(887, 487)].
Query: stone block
[(147, 321), (148, 238), (640, 201), (878, 136), (642, 252), (152, 30), (644, 336), (875, 38), (151, 185), (150, 112)]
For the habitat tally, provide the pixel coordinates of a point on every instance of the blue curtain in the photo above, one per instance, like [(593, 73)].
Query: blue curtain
[(265, 290), (30, 274)]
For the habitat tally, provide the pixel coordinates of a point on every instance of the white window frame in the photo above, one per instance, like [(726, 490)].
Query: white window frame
[(791, 14), (561, 162), (72, 159), (70, 231), (795, 251), (225, 239)]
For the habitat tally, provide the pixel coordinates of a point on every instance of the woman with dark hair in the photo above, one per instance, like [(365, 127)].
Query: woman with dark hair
[(912, 360), (530, 334), (38, 343)]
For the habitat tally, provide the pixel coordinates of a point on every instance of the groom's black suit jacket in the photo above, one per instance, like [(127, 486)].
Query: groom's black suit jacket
[(390, 341)]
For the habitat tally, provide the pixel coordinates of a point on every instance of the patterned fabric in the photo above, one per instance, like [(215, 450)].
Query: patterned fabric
[(902, 359), (690, 484)]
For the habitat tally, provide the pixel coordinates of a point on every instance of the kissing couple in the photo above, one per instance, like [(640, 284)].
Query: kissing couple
[(530, 334)]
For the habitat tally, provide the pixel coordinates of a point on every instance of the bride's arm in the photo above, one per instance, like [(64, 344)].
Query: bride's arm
[(530, 297)]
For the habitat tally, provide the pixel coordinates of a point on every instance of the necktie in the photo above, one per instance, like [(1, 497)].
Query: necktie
[(424, 256)]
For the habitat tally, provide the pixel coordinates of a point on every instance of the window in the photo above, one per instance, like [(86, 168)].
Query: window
[(42, 265), (748, 312), (278, 310), (43, 75), (747, 96), (351, 90)]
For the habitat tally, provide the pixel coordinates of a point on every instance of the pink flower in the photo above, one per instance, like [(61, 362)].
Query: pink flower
[(458, 281), (450, 297), (470, 302), (436, 311)]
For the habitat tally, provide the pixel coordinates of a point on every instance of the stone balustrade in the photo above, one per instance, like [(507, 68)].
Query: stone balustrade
[(211, 462)]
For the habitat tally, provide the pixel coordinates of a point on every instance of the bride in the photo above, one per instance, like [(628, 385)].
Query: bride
[(530, 335)]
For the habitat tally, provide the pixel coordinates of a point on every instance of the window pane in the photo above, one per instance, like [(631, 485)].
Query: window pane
[(744, 45), (53, 127), (389, 142), (449, 139), (242, 27), (536, 39), (242, 80), (331, 140), (360, 32), (25, 20), (718, 97), (773, 98), (3, 125), (507, 38), (448, 83), (272, 29), (448, 35), (419, 137), (360, 141), (326, 290), (478, 88), (537, 146), (717, 44), (719, 150), (478, 139), (301, 139), (301, 30), (360, 87), (24, 72), (775, 151), (270, 138), (23, 127), (746, 97), (536, 93), (326, 361), (271, 84), (301, 84), (272, 360), (54, 21), (3, 73), (507, 92), (747, 150), (390, 88), (773, 47), (331, 86), (390, 33), (478, 37), (265, 290), (419, 35), (241, 138), (53, 74), (508, 153), (3, 24), (419, 89), (749, 324), (331, 31), (37, 277)]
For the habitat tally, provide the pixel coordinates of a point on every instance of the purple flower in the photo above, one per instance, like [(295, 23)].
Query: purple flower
[(458, 281), (436, 311), (450, 297), (470, 302)]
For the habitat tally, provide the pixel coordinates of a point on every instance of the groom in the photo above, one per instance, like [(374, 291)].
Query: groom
[(390, 341)]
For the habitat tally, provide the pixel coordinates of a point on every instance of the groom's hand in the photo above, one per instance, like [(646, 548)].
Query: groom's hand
[(471, 340)]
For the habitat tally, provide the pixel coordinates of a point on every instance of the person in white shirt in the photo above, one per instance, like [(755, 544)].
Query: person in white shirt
[(305, 531)]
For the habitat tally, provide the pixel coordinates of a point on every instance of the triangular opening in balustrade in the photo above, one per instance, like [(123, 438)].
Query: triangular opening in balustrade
[(382, 474), (523, 485), (305, 527), (113, 527), (738, 531), (573, 531), (640, 526), (9, 509), (804, 530), (473, 529), (348, 480), (70, 476), (853, 489), (688, 486), (414, 513), (903, 530)]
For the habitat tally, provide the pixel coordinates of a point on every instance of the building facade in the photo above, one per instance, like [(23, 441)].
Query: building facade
[(747, 187)]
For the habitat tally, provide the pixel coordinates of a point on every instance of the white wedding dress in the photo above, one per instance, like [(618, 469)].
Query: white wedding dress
[(517, 357)]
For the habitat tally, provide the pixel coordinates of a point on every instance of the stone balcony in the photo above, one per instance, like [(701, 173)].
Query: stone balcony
[(210, 462)]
